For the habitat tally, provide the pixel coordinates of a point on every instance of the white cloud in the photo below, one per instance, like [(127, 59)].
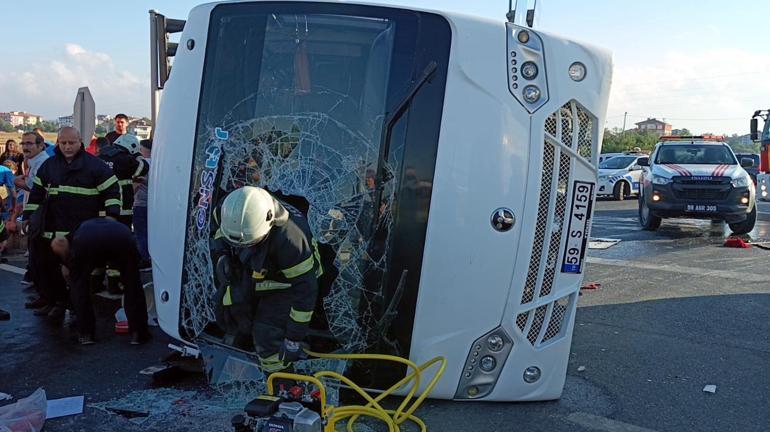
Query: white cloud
[(48, 88), (714, 90)]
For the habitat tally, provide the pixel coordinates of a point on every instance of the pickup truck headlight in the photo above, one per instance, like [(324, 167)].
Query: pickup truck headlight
[(741, 182), (660, 180)]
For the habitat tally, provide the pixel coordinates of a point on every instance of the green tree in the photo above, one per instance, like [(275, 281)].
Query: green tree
[(6, 127), (628, 140), (742, 144)]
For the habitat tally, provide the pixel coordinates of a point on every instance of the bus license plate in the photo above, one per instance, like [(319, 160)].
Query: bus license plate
[(701, 208), (579, 224)]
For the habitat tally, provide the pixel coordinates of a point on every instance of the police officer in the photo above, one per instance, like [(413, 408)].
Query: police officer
[(75, 186), (269, 275), (95, 242)]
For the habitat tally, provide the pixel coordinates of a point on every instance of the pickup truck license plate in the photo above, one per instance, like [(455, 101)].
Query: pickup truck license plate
[(579, 224), (702, 208)]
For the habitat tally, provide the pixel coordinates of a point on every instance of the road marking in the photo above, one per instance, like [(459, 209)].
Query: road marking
[(12, 269), (599, 423), (673, 268)]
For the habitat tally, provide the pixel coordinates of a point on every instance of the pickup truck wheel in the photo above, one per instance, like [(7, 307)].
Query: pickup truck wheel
[(621, 191), (746, 226), (647, 220)]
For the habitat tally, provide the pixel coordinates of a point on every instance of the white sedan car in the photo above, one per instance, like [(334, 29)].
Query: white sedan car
[(619, 176)]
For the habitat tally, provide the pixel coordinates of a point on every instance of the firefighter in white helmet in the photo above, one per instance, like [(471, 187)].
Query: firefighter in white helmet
[(268, 276)]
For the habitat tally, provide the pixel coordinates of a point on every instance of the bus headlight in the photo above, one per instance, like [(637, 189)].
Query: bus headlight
[(577, 71), (531, 93), (495, 343), (529, 70), (532, 374), (488, 363)]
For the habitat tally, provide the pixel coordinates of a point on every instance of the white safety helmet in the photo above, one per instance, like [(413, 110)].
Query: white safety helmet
[(129, 142), (247, 215)]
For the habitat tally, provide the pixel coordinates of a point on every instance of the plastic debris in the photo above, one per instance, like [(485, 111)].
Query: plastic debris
[(711, 388), (581, 369), (64, 407), (591, 286), (602, 243), (26, 414), (736, 242), (120, 315)]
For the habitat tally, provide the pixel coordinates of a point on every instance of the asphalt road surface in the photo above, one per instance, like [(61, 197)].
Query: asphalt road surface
[(676, 312)]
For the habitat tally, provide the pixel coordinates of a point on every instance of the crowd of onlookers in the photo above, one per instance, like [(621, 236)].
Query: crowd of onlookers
[(82, 209)]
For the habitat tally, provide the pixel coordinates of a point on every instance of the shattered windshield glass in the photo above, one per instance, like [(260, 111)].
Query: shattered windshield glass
[(298, 109)]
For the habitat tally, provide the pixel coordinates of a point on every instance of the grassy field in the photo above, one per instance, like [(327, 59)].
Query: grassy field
[(5, 136)]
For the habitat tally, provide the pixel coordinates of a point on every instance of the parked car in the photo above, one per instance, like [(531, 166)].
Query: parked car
[(619, 176)]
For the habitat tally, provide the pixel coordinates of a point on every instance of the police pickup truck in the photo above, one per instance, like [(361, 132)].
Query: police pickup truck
[(696, 177)]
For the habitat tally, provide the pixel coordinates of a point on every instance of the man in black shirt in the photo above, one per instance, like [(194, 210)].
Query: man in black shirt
[(121, 128)]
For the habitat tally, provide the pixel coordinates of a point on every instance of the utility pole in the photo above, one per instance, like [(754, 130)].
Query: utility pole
[(625, 114)]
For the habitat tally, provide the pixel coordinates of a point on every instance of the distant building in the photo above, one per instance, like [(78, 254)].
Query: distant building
[(655, 126), (66, 121), (140, 128), (20, 118)]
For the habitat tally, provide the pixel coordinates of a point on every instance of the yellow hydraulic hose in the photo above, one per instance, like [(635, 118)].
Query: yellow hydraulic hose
[(392, 418)]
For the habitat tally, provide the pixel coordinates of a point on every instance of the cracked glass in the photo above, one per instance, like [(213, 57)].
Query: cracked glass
[(301, 131), (298, 98)]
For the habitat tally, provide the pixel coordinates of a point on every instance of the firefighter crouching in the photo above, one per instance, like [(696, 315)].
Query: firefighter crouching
[(268, 275), (72, 186)]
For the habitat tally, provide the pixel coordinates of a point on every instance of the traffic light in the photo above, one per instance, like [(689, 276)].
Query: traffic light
[(161, 50)]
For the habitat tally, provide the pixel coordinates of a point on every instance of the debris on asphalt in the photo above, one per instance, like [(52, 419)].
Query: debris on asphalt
[(736, 242), (762, 245), (5, 396), (64, 407), (581, 369), (170, 410), (711, 388), (591, 286), (26, 414), (128, 413), (163, 373), (602, 243)]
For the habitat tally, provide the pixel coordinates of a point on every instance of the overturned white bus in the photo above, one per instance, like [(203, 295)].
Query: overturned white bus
[(446, 164)]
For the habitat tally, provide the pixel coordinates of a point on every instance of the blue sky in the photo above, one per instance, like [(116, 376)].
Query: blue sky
[(704, 65)]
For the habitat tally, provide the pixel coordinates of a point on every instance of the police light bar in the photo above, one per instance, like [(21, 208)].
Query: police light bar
[(693, 137)]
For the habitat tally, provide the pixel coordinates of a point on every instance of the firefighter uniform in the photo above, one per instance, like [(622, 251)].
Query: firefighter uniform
[(76, 192), (125, 166), (95, 242), (3, 231), (269, 289)]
